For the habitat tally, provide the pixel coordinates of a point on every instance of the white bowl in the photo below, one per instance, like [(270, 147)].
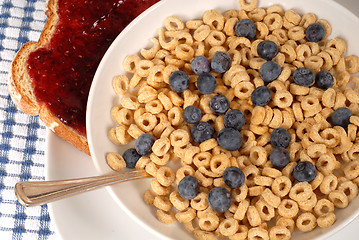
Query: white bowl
[(136, 36)]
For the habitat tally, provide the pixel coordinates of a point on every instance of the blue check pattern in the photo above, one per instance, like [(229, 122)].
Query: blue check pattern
[(22, 137)]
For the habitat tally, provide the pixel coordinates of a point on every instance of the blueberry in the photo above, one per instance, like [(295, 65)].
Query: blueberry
[(245, 28), (315, 32), (279, 157), (188, 187), (201, 132), (230, 139), (200, 64), (219, 104), (219, 199), (304, 77), (131, 157), (280, 137), (341, 117), (144, 144), (206, 83), (233, 177), (324, 79), (234, 119), (270, 71), (261, 96), (192, 114), (179, 81), (304, 172), (267, 50), (220, 62)]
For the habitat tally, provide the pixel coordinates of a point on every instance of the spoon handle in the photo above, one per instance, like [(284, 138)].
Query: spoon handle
[(34, 193)]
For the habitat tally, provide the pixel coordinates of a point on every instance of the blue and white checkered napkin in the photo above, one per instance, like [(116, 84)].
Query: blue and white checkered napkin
[(22, 137)]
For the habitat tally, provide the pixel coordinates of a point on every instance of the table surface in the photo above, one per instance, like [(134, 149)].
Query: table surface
[(23, 137)]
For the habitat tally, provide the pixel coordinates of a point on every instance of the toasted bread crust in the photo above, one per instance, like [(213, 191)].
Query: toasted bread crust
[(63, 131), (21, 87), (19, 83)]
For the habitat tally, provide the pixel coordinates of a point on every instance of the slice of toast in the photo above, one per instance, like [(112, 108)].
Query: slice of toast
[(21, 84)]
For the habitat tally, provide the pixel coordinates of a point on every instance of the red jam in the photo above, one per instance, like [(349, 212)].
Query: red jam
[(62, 71)]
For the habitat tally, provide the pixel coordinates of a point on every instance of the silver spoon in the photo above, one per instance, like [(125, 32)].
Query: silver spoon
[(35, 193)]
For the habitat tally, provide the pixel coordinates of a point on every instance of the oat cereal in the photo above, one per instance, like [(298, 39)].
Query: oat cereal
[(250, 106)]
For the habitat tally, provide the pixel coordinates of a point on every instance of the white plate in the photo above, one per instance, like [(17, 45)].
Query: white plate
[(93, 215), (136, 36)]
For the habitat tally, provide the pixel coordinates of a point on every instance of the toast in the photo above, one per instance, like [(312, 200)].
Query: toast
[(22, 85)]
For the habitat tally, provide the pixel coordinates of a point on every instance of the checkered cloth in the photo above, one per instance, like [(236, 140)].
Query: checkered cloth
[(22, 137)]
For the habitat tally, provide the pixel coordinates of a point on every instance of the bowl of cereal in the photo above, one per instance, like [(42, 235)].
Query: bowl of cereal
[(244, 113)]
